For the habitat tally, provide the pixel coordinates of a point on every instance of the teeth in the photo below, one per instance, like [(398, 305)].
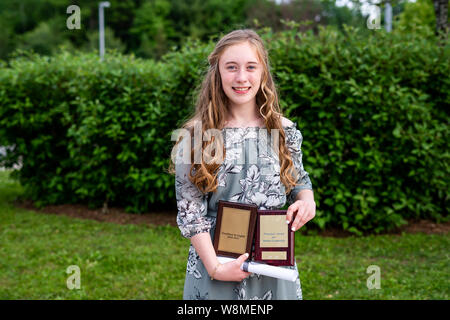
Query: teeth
[(242, 88)]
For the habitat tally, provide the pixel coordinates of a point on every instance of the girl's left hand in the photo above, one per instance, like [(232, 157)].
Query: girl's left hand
[(304, 211)]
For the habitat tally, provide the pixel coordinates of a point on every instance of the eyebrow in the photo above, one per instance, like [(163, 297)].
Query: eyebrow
[(252, 62)]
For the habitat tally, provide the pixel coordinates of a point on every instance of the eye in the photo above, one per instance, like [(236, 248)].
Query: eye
[(234, 67)]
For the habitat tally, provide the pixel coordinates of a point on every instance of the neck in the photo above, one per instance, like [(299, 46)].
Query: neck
[(243, 114)]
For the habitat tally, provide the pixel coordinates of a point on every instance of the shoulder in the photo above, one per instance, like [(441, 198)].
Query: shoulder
[(285, 122), (294, 137)]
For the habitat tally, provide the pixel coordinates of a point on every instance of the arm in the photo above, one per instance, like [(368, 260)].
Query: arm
[(301, 197), (195, 224), (204, 247), (306, 195), (230, 271)]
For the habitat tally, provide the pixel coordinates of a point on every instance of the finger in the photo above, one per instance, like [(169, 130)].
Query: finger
[(306, 216), (243, 278), (299, 218), (290, 211), (242, 258), (302, 223), (245, 274)]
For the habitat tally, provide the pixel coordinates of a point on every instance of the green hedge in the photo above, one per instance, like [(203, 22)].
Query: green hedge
[(373, 111)]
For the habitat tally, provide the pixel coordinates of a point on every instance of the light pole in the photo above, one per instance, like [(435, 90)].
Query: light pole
[(101, 26), (388, 17)]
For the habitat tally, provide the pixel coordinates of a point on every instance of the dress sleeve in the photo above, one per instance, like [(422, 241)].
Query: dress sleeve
[(192, 204), (294, 141)]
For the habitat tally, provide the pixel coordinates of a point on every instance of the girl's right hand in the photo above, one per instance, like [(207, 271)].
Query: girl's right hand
[(231, 271)]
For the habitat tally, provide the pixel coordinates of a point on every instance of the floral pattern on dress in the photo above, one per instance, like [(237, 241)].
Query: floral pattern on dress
[(241, 293), (263, 193), (294, 141), (242, 181), (229, 169), (299, 289), (237, 135), (192, 263), (198, 295), (191, 202)]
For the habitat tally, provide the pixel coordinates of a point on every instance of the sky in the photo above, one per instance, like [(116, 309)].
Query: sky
[(366, 8)]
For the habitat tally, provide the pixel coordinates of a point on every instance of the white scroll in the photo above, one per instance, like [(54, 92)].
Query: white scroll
[(265, 269)]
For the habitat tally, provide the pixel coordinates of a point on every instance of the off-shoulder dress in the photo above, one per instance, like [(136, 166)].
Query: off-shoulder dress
[(250, 173)]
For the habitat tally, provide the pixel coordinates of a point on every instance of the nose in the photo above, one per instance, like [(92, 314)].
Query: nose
[(241, 77)]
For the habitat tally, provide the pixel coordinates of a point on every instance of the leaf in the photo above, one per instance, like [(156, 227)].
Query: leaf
[(340, 208)]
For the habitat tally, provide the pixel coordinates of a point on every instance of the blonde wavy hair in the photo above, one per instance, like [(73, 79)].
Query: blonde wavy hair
[(211, 111)]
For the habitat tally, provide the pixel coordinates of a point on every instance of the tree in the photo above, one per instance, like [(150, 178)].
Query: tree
[(418, 17), (441, 11)]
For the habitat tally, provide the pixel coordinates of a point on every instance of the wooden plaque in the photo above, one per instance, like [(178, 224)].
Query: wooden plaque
[(274, 242), (235, 228)]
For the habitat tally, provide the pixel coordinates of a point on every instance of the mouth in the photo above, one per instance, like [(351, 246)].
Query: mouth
[(241, 90)]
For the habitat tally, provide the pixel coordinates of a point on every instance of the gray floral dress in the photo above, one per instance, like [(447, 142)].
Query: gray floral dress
[(250, 173)]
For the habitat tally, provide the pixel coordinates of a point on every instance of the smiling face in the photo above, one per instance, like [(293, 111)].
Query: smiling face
[(240, 72)]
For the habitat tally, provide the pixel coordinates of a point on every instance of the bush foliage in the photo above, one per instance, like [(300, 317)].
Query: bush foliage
[(373, 111)]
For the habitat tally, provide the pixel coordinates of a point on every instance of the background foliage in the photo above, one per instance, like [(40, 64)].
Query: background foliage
[(151, 28), (373, 111)]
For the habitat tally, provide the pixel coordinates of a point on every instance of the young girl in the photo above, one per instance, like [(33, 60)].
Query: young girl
[(238, 98)]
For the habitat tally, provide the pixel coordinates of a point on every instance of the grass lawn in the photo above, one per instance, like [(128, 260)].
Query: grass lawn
[(149, 262)]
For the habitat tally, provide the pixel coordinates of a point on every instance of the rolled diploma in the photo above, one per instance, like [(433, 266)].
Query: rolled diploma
[(265, 269)]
